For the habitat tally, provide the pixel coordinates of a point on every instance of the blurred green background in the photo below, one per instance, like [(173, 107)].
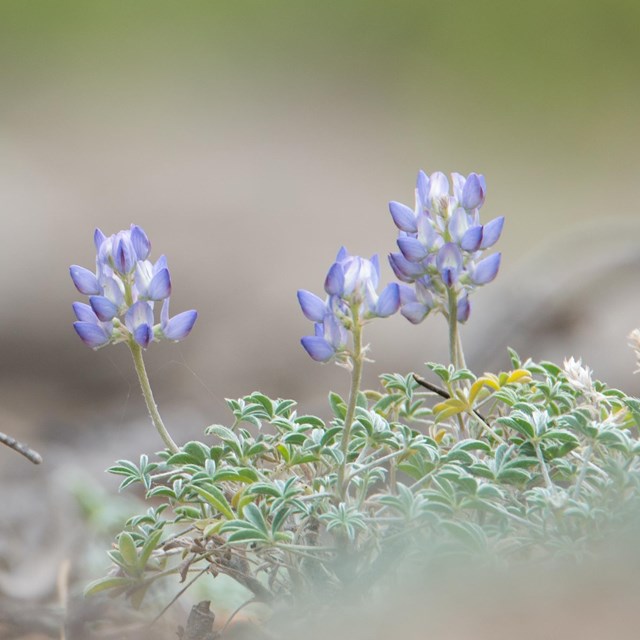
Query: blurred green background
[(252, 139)]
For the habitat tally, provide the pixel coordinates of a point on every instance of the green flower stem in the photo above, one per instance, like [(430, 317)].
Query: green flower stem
[(136, 352), (452, 318), (357, 361), (455, 343)]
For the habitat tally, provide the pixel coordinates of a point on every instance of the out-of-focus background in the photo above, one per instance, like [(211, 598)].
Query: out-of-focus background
[(252, 139)]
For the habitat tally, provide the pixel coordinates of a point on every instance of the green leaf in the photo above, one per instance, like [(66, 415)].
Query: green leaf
[(215, 498), (311, 421), (148, 547), (127, 548), (338, 405), (252, 514), (109, 582)]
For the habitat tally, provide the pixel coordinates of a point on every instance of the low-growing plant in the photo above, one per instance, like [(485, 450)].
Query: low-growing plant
[(537, 462)]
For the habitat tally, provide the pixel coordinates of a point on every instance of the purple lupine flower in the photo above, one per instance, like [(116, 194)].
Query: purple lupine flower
[(153, 281), (178, 327), (139, 320), (441, 244), (92, 331), (330, 339), (416, 302), (351, 285), (122, 292)]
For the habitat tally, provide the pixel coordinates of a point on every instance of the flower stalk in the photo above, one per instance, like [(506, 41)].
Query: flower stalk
[(152, 407), (357, 361)]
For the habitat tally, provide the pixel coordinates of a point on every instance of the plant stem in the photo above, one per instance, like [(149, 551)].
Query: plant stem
[(543, 466), (152, 407), (583, 472), (356, 378), (453, 326)]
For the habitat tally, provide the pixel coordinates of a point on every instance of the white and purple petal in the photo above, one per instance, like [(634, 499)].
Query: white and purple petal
[(139, 313), (449, 263)]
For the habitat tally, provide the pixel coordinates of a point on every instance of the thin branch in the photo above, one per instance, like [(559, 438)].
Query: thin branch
[(443, 393), (235, 613), (175, 598), (21, 448)]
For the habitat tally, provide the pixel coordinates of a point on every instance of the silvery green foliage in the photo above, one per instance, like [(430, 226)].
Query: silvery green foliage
[(537, 462)]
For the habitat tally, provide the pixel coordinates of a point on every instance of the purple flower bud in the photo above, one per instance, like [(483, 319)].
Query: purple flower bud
[(93, 335), (403, 217), (412, 249), (313, 307), (318, 348), (85, 281), (84, 312), (464, 308), (472, 238), (422, 191), (104, 309), (178, 327), (473, 192), (124, 255), (140, 242), (92, 332), (405, 271), (334, 282), (388, 302), (486, 270), (160, 286), (449, 263), (491, 232), (98, 238)]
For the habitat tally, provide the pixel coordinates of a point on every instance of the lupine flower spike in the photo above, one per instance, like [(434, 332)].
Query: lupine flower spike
[(122, 295), (352, 300), (441, 243)]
